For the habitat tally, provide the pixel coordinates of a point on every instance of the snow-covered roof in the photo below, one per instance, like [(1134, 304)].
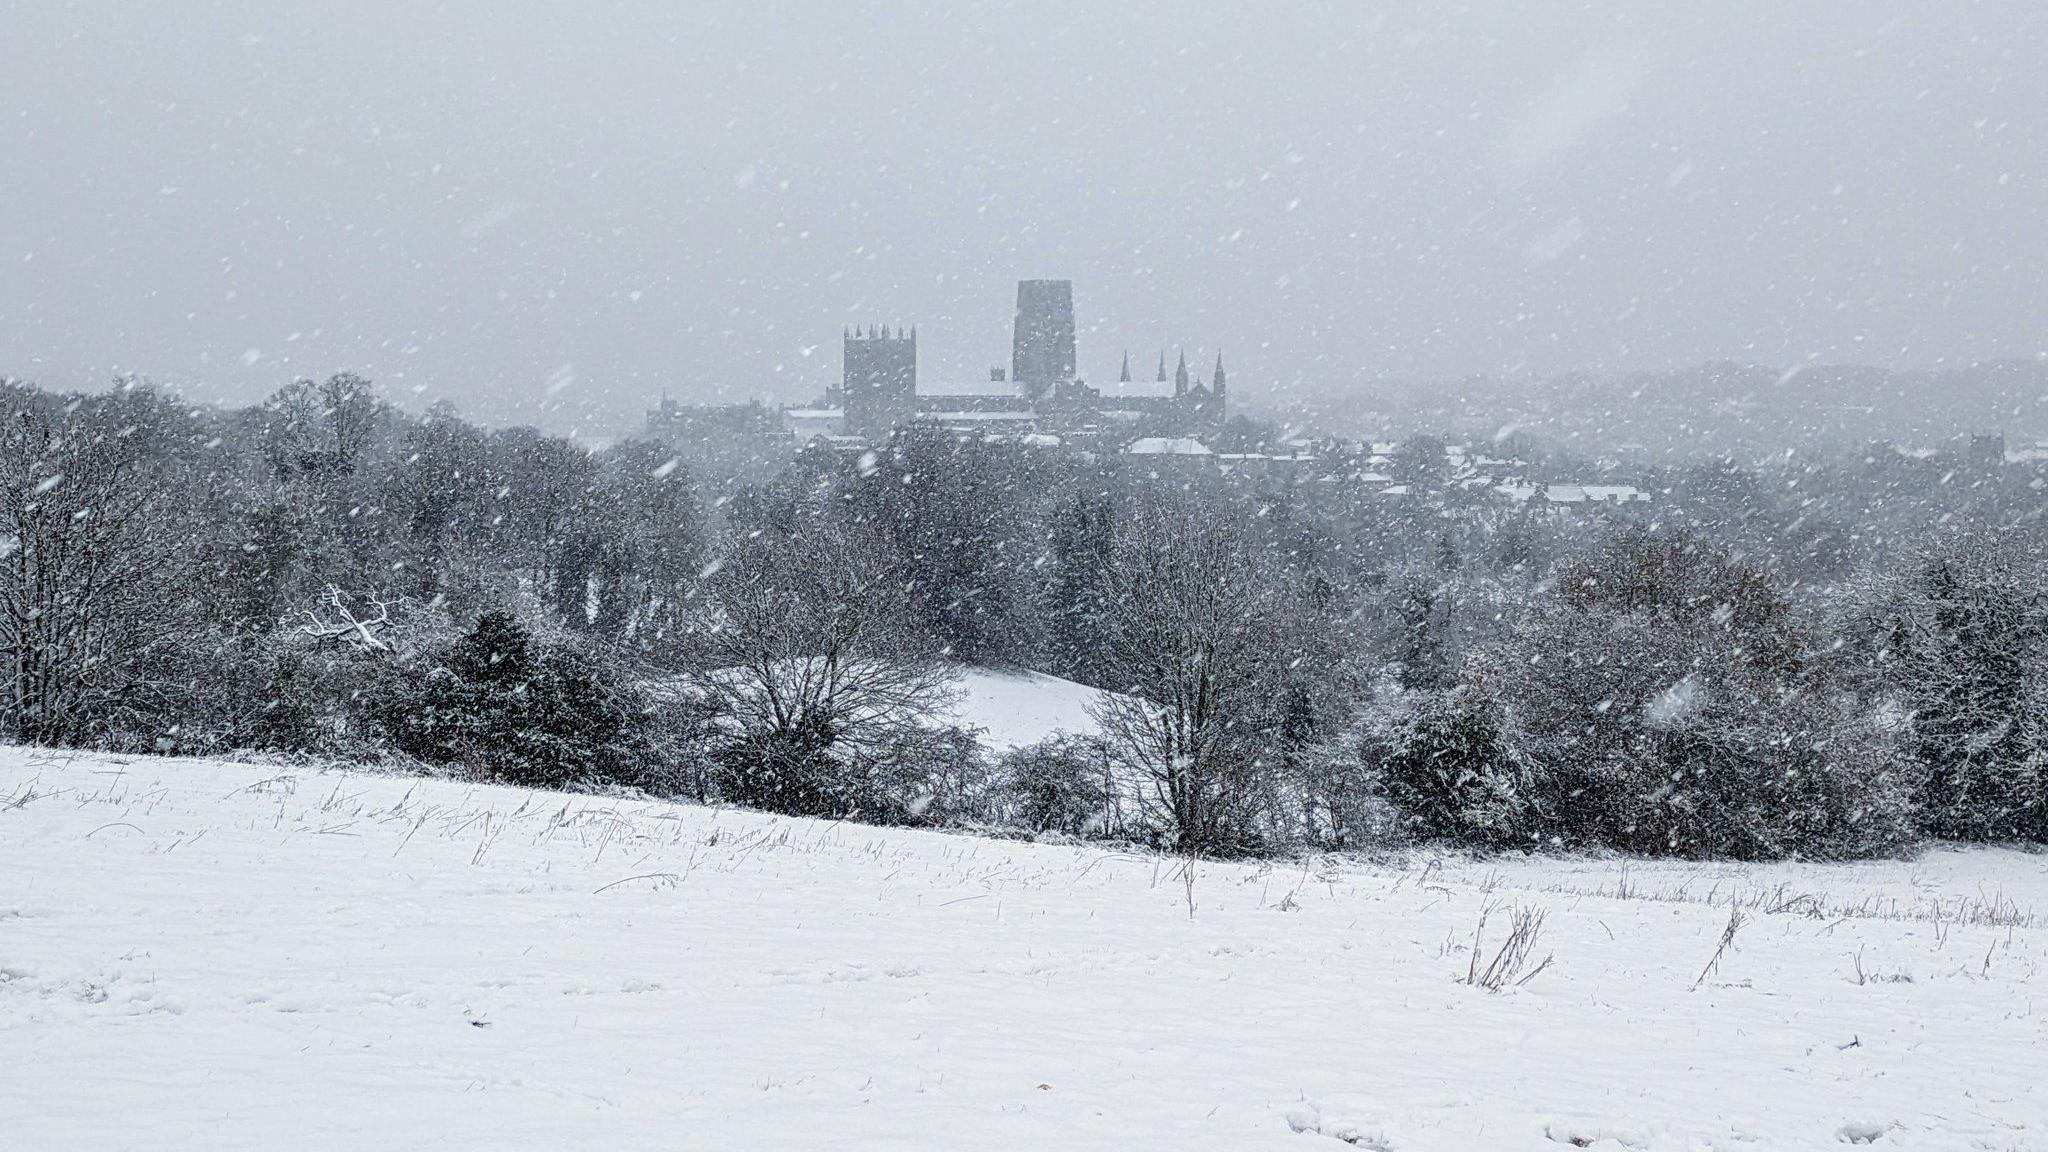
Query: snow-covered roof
[(1276, 457), (1137, 389), (1575, 493), (978, 417), (1168, 446), (969, 388), (1608, 493), (810, 423)]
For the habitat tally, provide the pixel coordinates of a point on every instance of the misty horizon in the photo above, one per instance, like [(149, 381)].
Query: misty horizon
[(553, 218)]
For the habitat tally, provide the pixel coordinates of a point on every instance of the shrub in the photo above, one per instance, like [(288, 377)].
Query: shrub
[(527, 710), (907, 775), (1060, 784), (789, 770), (1669, 707), (1453, 770), (927, 775), (1958, 641)]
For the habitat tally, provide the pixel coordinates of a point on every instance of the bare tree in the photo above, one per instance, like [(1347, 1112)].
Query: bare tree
[(1201, 634), (807, 656), (320, 429), (89, 592)]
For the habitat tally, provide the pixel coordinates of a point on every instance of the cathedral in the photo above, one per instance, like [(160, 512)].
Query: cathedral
[(1039, 392)]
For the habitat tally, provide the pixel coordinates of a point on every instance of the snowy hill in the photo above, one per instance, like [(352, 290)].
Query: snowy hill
[(1012, 709), (206, 955)]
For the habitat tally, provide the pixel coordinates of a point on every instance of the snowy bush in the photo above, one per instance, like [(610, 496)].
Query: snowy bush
[(1452, 769), (907, 775), (1062, 784), (527, 709), (922, 774), (1333, 784), (1957, 641), (1668, 707), (815, 674), (784, 769)]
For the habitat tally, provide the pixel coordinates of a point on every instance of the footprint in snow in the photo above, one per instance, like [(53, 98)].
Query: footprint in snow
[(1307, 1117), (1585, 1133), (1862, 1132)]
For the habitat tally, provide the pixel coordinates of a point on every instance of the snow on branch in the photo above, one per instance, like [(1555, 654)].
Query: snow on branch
[(345, 624)]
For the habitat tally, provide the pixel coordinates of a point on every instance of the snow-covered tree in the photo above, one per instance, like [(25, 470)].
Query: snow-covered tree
[(1202, 636), (1957, 640), (807, 657), (96, 594)]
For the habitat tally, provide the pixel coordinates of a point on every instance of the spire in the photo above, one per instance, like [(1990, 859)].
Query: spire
[(1125, 376), (1180, 376), (1162, 366), (1219, 374)]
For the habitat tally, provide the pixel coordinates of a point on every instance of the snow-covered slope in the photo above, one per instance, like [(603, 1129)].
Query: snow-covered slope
[(201, 955), (1011, 709)]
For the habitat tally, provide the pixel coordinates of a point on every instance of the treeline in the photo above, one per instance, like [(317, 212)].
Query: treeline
[(323, 575)]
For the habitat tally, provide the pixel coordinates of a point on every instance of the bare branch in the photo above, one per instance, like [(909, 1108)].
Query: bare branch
[(359, 631)]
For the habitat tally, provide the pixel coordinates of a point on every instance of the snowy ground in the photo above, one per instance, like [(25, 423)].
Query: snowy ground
[(203, 955)]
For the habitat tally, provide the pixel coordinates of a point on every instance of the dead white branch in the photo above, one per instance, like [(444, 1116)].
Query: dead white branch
[(345, 624)]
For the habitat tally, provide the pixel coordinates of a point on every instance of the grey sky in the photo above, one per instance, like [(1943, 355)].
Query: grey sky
[(549, 212)]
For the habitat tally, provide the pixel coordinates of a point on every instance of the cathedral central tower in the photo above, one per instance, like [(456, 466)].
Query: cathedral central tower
[(1042, 344)]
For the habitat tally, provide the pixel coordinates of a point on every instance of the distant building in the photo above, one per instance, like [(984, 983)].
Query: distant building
[(1167, 446), (1521, 492), (1040, 392), (1042, 337), (878, 377), (675, 423)]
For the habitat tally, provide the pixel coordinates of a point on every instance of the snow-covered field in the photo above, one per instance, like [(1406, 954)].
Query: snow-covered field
[(206, 955)]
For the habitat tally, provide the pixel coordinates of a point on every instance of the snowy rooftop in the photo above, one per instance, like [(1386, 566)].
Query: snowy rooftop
[(979, 417), (1168, 446), (969, 388), (1119, 389), (1576, 493)]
